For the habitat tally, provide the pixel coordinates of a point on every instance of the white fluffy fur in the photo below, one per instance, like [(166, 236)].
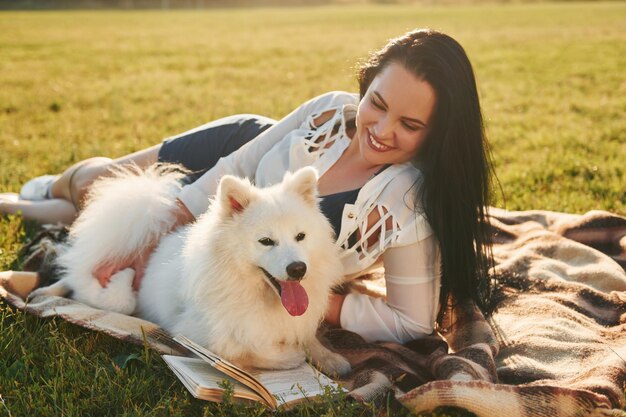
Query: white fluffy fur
[(205, 280)]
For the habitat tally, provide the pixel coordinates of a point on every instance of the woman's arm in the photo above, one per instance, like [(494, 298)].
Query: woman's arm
[(244, 161), (412, 280)]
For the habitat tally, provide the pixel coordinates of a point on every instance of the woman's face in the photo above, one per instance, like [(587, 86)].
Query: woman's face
[(394, 116)]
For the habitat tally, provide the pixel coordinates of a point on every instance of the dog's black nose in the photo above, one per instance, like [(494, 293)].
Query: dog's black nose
[(296, 270)]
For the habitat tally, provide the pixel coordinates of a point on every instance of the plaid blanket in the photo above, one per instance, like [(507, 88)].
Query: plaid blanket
[(556, 346)]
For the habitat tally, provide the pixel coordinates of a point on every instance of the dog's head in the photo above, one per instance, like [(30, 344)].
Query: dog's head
[(280, 234)]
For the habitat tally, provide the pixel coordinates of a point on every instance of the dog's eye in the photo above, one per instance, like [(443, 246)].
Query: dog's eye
[(300, 236), (266, 241)]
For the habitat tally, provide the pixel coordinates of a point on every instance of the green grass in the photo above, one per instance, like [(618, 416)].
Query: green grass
[(77, 84)]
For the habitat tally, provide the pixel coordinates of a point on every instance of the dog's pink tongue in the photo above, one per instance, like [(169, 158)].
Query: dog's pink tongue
[(294, 297)]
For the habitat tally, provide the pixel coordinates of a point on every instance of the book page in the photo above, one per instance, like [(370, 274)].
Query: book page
[(226, 367), (293, 384), (278, 387), (201, 378)]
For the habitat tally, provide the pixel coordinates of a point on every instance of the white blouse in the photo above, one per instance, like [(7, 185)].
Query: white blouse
[(406, 245)]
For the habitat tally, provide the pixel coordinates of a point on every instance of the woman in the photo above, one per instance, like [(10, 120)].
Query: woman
[(404, 179)]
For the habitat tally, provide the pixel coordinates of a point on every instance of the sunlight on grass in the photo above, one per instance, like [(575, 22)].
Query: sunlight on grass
[(77, 84)]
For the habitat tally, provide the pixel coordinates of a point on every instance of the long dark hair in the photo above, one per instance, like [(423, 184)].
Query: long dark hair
[(455, 161)]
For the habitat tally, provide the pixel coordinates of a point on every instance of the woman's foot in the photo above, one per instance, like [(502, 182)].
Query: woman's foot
[(38, 188)]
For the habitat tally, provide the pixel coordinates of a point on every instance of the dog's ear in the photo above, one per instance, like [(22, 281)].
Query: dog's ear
[(234, 194), (304, 182)]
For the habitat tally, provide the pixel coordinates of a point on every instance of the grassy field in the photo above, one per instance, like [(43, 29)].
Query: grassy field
[(80, 84)]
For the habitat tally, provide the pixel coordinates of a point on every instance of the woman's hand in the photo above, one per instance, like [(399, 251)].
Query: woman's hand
[(103, 272), (138, 261)]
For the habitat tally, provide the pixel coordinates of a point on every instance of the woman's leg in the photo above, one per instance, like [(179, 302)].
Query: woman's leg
[(69, 189), (74, 183), (197, 150)]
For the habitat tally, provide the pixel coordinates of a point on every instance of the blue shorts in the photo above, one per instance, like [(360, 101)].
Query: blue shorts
[(199, 149)]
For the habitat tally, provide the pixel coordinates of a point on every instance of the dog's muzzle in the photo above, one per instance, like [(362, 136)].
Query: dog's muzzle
[(292, 295)]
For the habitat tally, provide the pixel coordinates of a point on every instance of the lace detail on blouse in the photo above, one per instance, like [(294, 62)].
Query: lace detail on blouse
[(321, 138), (363, 240), (370, 241)]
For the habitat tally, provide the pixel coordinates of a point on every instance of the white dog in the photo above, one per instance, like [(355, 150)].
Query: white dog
[(250, 279)]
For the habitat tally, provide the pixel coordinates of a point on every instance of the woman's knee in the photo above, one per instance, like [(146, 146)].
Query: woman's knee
[(91, 169), (85, 174)]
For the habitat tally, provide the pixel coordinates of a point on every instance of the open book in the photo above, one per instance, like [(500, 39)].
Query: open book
[(204, 375)]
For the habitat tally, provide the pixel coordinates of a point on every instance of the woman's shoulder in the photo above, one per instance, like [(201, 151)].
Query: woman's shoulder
[(403, 185)]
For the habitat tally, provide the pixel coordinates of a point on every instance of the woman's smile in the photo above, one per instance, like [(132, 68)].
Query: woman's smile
[(376, 144)]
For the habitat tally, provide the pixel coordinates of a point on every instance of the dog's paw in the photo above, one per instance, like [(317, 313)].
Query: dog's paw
[(293, 359), (334, 364), (58, 289), (289, 360), (39, 292)]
